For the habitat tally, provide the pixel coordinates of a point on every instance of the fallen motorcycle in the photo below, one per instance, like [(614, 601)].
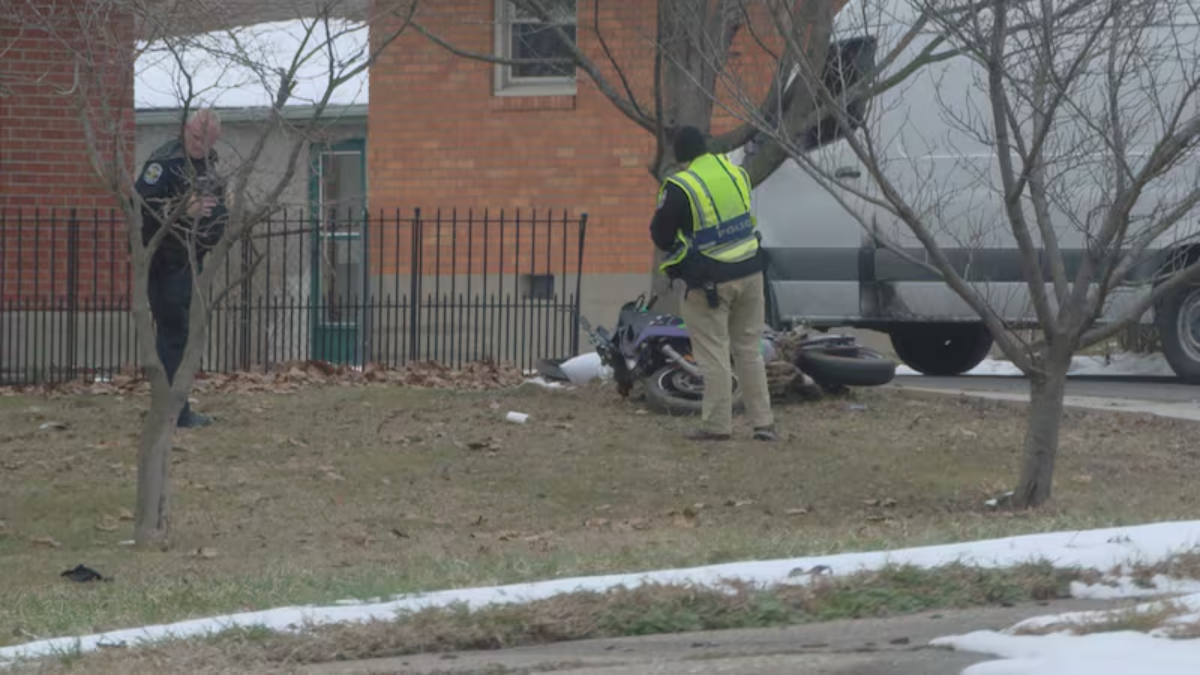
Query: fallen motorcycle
[(654, 350)]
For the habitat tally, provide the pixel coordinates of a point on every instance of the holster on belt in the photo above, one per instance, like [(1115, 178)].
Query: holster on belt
[(696, 273)]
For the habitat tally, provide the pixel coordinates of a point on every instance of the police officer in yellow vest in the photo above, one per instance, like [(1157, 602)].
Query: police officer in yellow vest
[(703, 222)]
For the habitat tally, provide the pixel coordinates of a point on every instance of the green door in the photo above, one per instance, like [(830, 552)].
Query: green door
[(338, 189)]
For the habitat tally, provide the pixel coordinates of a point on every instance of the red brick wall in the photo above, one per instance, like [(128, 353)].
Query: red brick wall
[(439, 137), (44, 167)]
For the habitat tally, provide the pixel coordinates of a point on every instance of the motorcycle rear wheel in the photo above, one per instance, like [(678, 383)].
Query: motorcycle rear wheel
[(847, 366), (671, 390)]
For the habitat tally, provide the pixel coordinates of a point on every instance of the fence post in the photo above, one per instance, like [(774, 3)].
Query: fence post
[(578, 284), (364, 313), (72, 295), (316, 298), (414, 314), (244, 336)]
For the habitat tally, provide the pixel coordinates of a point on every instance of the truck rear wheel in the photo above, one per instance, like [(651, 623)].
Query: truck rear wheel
[(942, 349), (1178, 320)]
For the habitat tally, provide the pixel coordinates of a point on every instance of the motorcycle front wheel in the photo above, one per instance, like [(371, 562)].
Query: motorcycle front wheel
[(671, 390)]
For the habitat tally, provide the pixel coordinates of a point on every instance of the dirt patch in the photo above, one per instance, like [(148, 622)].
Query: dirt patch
[(1181, 566), (319, 493)]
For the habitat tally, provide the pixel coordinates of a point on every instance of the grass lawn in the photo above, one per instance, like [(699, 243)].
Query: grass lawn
[(331, 492)]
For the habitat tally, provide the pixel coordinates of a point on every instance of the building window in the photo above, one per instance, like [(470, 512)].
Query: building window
[(520, 34), (537, 286)]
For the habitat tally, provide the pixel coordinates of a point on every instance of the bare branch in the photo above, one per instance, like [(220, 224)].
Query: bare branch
[(1186, 277), (612, 60), (480, 56), (1012, 193)]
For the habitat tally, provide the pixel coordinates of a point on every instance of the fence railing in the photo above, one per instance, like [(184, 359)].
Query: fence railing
[(389, 289)]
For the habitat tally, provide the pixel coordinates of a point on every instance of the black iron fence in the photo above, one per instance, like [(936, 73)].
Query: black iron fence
[(389, 289)]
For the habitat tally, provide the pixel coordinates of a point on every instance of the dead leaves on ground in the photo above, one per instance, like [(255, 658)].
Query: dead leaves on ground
[(538, 541), (328, 471), (294, 376), (424, 375), (490, 445), (111, 523), (880, 507), (108, 524), (685, 518), (204, 553)]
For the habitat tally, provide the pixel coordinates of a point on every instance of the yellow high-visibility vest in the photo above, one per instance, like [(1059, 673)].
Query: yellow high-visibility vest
[(723, 228)]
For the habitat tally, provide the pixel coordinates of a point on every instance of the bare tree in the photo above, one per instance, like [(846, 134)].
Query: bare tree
[(208, 53), (1061, 131), (690, 43)]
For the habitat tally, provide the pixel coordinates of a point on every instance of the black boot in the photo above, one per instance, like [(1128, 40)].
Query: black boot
[(191, 420)]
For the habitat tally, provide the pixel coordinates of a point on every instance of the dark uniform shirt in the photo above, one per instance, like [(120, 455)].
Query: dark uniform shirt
[(674, 215), (167, 179)]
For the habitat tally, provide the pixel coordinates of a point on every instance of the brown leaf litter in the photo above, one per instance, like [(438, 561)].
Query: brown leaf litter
[(293, 376)]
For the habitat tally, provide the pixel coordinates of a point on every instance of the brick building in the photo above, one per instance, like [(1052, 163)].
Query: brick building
[(447, 134), (50, 52), (456, 132), (43, 152)]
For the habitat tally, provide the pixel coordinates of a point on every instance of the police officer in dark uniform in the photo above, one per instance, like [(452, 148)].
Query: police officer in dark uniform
[(180, 176)]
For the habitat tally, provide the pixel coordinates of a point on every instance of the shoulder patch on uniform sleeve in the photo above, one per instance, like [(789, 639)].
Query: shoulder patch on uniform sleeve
[(662, 199), (153, 173)]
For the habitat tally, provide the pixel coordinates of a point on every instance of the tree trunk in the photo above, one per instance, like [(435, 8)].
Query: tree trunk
[(1047, 390), (154, 460)]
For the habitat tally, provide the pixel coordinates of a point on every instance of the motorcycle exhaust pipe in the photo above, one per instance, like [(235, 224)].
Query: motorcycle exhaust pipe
[(678, 359)]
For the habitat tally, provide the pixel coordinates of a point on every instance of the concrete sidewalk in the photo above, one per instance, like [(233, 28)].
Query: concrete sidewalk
[(895, 646), (1163, 400)]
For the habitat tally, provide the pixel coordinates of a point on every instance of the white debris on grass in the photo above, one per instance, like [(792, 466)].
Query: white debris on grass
[(1103, 549), (580, 370), (585, 368), (542, 382)]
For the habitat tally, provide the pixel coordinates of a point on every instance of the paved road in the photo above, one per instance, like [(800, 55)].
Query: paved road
[(895, 646), (1142, 388)]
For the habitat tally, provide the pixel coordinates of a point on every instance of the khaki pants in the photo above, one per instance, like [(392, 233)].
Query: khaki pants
[(733, 328)]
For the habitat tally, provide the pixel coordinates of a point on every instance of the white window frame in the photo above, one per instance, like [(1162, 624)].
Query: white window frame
[(504, 84)]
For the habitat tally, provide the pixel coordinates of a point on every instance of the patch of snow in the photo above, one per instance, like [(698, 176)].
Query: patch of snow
[(1061, 652), (1124, 653), (1122, 364), (990, 367), (1189, 621), (1102, 549), (1067, 621), (241, 67)]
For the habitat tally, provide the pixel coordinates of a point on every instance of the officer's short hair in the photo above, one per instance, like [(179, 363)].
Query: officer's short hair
[(213, 117), (689, 144)]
